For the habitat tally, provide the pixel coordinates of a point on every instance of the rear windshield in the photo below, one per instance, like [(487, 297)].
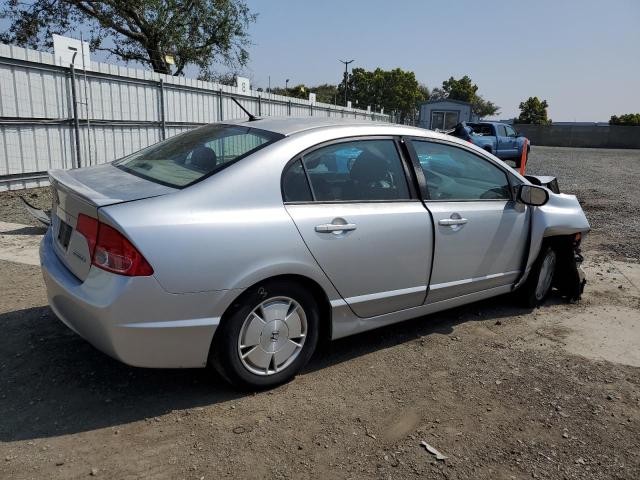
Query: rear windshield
[(196, 154), (481, 128)]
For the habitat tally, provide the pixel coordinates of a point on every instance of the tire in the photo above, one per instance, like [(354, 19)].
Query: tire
[(254, 346), (538, 285)]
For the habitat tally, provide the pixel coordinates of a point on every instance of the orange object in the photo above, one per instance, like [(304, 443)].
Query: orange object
[(523, 159)]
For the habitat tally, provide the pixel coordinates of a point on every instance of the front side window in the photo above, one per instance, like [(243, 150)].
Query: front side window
[(191, 156), (362, 170), (510, 131), (453, 173)]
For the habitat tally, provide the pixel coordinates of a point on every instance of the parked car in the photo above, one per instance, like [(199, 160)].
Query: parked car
[(500, 139), (241, 245)]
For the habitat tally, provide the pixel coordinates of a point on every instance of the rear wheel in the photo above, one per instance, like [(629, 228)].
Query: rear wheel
[(267, 337), (538, 284)]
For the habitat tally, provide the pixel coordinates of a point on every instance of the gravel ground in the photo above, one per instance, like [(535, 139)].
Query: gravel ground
[(607, 184), (505, 393)]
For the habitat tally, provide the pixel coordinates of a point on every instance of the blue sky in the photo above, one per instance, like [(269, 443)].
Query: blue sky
[(583, 56)]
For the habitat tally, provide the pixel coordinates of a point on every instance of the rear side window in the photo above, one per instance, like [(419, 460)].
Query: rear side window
[(196, 154), (362, 170), (483, 129), (295, 187), (453, 173)]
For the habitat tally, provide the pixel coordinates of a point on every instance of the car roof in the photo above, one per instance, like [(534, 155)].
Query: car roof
[(290, 125)]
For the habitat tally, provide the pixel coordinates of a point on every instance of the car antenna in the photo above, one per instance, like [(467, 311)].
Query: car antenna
[(251, 116)]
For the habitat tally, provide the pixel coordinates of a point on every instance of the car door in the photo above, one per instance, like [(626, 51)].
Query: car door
[(513, 141), (481, 233), (502, 141), (362, 221)]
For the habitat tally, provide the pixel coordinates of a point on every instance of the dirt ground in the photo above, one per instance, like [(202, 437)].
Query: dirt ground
[(503, 392)]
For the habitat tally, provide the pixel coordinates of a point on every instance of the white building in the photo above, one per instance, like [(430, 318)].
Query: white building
[(444, 114)]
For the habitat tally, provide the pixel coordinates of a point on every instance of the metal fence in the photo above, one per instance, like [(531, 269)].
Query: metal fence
[(54, 116)]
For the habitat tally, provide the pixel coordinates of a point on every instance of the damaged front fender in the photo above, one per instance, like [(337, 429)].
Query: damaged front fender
[(561, 216)]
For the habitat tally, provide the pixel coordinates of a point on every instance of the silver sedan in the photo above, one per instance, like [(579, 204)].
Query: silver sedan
[(241, 245)]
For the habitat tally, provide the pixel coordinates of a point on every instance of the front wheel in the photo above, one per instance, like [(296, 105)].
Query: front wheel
[(267, 337), (538, 284)]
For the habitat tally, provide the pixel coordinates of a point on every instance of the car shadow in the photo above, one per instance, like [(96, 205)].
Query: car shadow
[(53, 383), (27, 230)]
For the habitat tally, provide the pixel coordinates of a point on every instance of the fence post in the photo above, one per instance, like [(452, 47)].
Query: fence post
[(76, 120), (163, 120), (289, 108), (259, 105), (220, 115), (311, 109)]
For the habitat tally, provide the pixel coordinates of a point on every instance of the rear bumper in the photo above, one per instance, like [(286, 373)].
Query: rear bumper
[(133, 319)]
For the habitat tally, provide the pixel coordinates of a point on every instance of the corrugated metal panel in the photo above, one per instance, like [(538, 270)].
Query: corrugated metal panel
[(124, 109)]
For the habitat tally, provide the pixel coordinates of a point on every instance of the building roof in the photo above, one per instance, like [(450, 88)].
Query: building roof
[(445, 100)]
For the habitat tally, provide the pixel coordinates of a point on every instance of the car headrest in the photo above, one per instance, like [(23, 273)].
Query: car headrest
[(204, 158), (369, 167)]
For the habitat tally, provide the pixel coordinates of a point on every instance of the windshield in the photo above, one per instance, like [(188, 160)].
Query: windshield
[(196, 154)]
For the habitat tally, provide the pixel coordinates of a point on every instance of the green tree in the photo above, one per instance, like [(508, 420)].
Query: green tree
[(465, 90), (192, 32), (394, 90), (297, 91), (484, 108), (325, 93), (626, 119), (533, 110)]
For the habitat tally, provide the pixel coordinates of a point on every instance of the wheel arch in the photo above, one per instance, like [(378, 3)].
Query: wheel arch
[(319, 294)]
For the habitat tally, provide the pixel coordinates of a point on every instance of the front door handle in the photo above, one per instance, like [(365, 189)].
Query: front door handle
[(452, 221), (335, 227)]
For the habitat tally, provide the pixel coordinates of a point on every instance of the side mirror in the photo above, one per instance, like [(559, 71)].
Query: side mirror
[(533, 195)]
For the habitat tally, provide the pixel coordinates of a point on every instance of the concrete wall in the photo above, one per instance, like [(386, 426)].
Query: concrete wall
[(589, 136), (119, 110)]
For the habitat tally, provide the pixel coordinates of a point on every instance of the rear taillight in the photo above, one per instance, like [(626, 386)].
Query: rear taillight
[(110, 250), (88, 227)]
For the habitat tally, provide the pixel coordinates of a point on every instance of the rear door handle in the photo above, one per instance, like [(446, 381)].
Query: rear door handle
[(335, 227), (452, 221)]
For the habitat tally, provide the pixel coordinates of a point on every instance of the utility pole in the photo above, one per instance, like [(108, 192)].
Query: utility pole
[(286, 87), (346, 76)]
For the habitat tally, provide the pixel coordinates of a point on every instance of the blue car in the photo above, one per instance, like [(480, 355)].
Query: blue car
[(500, 139)]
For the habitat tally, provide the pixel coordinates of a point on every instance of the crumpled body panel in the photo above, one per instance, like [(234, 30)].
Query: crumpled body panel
[(561, 215)]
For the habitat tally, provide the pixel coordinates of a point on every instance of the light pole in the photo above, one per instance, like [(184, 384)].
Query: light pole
[(286, 87), (346, 76)]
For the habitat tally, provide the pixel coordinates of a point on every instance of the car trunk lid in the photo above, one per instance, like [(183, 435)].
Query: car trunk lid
[(84, 191)]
